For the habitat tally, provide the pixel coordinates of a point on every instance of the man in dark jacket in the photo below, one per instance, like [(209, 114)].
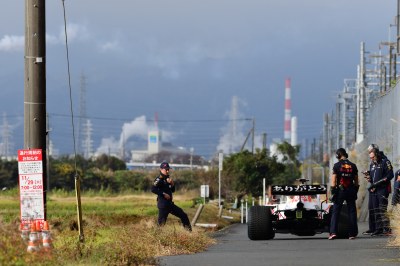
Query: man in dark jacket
[(164, 187), (380, 175), (344, 187), (371, 196)]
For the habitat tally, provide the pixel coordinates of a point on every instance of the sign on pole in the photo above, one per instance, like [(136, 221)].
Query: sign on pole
[(30, 172), (204, 192)]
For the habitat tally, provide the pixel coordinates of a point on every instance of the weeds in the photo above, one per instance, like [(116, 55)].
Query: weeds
[(117, 231), (395, 224)]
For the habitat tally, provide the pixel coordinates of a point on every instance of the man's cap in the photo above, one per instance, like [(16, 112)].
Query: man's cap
[(164, 165), (373, 146)]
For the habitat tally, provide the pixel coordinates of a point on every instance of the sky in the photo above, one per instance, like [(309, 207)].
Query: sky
[(186, 61)]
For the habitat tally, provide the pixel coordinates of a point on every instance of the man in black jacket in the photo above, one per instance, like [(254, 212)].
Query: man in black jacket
[(344, 187), (164, 187), (380, 176)]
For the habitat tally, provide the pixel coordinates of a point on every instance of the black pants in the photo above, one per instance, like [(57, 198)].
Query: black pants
[(380, 221), (164, 211), (349, 195), (371, 213)]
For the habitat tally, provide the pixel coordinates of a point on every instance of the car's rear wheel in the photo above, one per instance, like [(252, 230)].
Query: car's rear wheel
[(259, 225)]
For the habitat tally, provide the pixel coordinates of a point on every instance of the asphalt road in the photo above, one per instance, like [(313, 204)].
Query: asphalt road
[(235, 248)]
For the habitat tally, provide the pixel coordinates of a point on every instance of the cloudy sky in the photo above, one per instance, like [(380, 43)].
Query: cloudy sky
[(186, 60)]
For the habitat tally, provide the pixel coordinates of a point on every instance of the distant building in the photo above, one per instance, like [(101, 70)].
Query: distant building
[(156, 146), (153, 142)]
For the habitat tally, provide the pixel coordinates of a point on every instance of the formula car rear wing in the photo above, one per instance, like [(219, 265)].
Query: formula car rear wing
[(298, 189)]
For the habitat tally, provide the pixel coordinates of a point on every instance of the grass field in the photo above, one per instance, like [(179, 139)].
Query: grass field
[(118, 230)]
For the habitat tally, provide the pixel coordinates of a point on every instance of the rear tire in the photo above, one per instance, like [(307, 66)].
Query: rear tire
[(259, 226)]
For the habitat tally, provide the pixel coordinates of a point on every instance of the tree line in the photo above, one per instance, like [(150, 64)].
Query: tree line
[(242, 174)]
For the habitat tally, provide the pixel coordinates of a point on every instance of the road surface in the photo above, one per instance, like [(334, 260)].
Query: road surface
[(234, 248)]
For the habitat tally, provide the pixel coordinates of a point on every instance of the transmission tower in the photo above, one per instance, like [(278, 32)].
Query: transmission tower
[(87, 143), (82, 114)]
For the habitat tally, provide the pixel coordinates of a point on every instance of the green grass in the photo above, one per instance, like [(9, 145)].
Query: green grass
[(118, 230)]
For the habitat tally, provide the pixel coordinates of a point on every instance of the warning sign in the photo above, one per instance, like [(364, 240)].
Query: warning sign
[(30, 170)]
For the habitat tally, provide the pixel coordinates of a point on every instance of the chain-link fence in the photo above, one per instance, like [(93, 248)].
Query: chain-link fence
[(384, 124)]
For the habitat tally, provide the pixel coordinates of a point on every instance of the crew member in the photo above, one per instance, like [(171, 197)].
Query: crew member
[(344, 187), (381, 173), (164, 187), (371, 218)]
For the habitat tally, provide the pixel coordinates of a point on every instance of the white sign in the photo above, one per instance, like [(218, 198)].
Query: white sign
[(204, 191), (30, 172)]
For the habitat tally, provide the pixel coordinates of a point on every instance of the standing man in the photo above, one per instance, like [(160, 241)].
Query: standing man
[(381, 173), (164, 187), (371, 218), (344, 187)]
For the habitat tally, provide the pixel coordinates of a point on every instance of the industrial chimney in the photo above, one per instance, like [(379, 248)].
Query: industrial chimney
[(287, 131)]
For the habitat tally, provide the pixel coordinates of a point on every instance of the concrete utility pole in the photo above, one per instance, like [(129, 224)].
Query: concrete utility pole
[(252, 135), (361, 99), (35, 81), (264, 142)]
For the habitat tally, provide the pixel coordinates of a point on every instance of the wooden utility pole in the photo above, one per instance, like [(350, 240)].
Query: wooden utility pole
[(35, 82)]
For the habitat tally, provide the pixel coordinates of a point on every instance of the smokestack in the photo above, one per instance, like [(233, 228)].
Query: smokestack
[(288, 106), (156, 120), (293, 137)]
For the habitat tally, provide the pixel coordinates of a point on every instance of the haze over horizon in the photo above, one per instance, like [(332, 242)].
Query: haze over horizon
[(186, 60)]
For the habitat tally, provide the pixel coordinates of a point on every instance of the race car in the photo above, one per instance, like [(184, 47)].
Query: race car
[(302, 210)]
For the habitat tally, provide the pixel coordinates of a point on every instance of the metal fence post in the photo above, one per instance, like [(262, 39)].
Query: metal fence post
[(246, 211), (241, 211)]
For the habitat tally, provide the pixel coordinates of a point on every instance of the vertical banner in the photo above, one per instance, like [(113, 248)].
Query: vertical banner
[(30, 173)]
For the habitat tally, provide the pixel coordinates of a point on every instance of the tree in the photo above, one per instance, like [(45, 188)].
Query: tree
[(245, 171), (8, 173), (292, 170), (105, 162)]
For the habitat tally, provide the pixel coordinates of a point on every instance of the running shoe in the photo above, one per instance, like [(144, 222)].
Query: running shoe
[(332, 236)]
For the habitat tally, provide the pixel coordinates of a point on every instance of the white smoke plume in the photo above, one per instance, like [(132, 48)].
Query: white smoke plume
[(137, 127), (235, 132), (109, 146)]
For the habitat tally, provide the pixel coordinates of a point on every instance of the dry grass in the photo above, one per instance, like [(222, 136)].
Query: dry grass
[(395, 224), (117, 230)]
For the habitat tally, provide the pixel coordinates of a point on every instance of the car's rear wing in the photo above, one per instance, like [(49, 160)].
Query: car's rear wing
[(298, 189)]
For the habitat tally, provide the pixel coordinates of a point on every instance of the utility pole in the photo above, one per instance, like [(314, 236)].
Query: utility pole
[(264, 145), (252, 136), (35, 82)]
